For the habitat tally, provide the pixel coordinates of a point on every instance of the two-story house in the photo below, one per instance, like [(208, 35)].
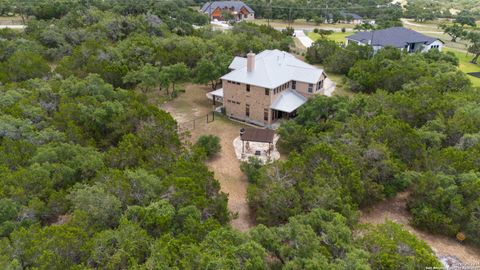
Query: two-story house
[(272, 85), (239, 10)]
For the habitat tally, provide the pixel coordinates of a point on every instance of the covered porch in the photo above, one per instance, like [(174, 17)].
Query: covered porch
[(286, 105), (216, 97)]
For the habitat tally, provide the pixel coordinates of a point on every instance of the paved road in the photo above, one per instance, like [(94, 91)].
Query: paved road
[(13, 26), (304, 39)]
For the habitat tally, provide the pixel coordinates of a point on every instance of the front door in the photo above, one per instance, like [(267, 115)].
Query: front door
[(411, 47)]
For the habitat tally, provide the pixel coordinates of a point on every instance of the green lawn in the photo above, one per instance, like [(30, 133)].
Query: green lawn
[(337, 36), (341, 89), (465, 64)]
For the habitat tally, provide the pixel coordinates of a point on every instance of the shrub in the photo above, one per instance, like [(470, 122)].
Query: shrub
[(343, 30), (252, 168), (210, 144), (393, 247)]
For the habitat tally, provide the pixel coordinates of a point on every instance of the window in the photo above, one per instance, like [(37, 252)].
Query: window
[(310, 88), (248, 87), (247, 110), (294, 85), (265, 114), (267, 92)]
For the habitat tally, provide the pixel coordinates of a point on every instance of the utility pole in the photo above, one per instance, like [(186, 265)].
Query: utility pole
[(210, 12), (326, 12), (290, 17), (269, 12)]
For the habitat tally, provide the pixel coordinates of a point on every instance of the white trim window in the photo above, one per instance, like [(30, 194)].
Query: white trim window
[(310, 88)]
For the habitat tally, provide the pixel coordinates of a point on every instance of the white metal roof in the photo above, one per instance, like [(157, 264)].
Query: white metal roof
[(218, 93), (272, 69), (288, 101), (238, 62)]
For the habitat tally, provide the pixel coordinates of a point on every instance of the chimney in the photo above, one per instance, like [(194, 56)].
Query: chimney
[(250, 62)]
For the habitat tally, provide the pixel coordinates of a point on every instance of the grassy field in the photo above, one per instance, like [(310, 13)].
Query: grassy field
[(302, 24), (465, 64), (337, 36), (340, 89)]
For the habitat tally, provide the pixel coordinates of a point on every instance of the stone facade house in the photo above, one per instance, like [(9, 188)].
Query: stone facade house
[(239, 10), (264, 88)]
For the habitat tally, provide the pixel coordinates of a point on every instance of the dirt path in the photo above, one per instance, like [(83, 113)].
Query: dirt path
[(395, 210), (227, 171), (193, 104)]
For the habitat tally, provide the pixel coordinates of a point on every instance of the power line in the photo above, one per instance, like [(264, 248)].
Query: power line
[(118, 3), (379, 7)]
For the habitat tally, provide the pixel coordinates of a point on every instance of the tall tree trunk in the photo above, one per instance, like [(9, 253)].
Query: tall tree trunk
[(475, 59)]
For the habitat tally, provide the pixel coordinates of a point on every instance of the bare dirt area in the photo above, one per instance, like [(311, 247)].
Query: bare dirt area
[(193, 104), (395, 210)]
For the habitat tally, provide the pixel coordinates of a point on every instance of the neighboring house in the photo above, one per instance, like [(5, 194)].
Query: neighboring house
[(346, 17), (263, 88), (398, 37), (239, 10)]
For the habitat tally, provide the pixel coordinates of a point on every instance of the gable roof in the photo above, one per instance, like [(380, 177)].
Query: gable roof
[(395, 36), (272, 69), (346, 15), (209, 7)]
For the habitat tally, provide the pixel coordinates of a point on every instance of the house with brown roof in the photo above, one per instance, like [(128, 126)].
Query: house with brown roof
[(263, 88), (239, 10)]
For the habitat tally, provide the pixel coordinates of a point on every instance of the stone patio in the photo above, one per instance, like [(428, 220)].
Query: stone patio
[(252, 147)]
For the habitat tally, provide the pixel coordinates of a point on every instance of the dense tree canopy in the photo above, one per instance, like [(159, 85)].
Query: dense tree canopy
[(418, 133), (93, 176)]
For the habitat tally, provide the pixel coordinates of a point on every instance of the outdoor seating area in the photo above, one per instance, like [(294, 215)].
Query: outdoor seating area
[(255, 142)]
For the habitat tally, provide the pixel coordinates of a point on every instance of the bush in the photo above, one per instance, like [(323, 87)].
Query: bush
[(210, 144), (343, 30), (393, 247), (252, 168)]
